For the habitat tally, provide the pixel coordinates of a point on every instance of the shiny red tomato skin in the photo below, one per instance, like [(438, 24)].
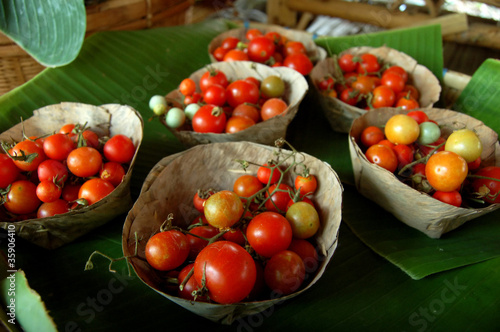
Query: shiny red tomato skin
[(50, 209), (8, 171), (300, 62), (242, 91), (119, 148), (197, 244), (383, 156), (347, 63), (451, 197), (307, 252), (229, 270), (209, 119), (260, 49), (189, 286), (84, 161), (269, 173), (167, 250), (269, 233), (492, 187), (307, 185), (58, 146), (284, 273), (22, 198), (29, 148), (52, 170), (279, 196), (247, 185), (95, 189), (213, 76)]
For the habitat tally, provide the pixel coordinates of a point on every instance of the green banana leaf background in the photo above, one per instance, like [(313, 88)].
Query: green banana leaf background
[(382, 277)]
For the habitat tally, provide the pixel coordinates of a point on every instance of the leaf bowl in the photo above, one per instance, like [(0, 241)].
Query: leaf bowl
[(340, 115), (106, 120), (213, 165), (412, 207), (264, 132)]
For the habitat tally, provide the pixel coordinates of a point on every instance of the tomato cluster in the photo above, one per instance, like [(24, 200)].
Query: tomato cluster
[(248, 242), (224, 106), (271, 48), (366, 82), (49, 175), (446, 166)]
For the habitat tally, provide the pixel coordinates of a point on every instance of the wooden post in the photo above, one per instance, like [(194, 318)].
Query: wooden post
[(279, 13)]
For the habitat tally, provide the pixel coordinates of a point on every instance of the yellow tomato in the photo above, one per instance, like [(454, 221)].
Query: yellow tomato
[(402, 129)]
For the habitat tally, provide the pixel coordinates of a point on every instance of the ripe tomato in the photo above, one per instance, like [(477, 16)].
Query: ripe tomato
[(260, 49), (48, 191), (307, 185), (236, 236), (451, 197), (252, 33), (349, 96), (404, 153), (223, 209), (70, 192), (368, 64), (383, 96), (238, 123), (196, 244), (91, 138), (269, 173), (407, 103), (112, 172), (307, 252), (84, 161), (399, 71), (95, 189), (119, 148), (167, 250), (187, 86), (488, 188), (248, 111), (419, 116), (69, 129), (303, 219), (247, 185), (273, 107), (8, 171), (229, 42), (209, 119), (300, 62), (269, 233), (383, 156), (284, 272), (364, 84), (192, 99), (213, 76), (28, 155), (58, 146), (294, 47), (215, 94), (228, 270), (446, 171), (465, 143), (241, 91), (59, 206), (190, 285), (236, 55), (394, 81), (401, 129), (200, 197), (219, 53), (371, 135), (279, 196), (327, 83), (22, 198), (347, 63)]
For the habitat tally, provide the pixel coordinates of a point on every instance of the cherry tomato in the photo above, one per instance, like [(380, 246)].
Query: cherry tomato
[(189, 286), (474, 164), (272, 87), (236, 236), (371, 135), (451, 197), (326, 83), (279, 196), (58, 146), (307, 185), (248, 111), (68, 129), (219, 53), (22, 198), (407, 103), (241, 91), (91, 138), (48, 191), (303, 219), (236, 55), (95, 189), (119, 148), (284, 272), (368, 64), (167, 250), (112, 172), (399, 71), (209, 119), (260, 49), (223, 209), (393, 80), (383, 156), (383, 96), (252, 33), (488, 188), (428, 148), (8, 171), (213, 76), (70, 192), (300, 62), (187, 86), (347, 63), (307, 252), (294, 47), (269, 233), (402, 129), (349, 96), (238, 123), (446, 171), (50, 209), (273, 107), (228, 270), (419, 116), (192, 99), (84, 161), (364, 84), (196, 244), (199, 199), (404, 153), (465, 143), (215, 94), (33, 153), (247, 185), (269, 173), (429, 133), (299, 199)]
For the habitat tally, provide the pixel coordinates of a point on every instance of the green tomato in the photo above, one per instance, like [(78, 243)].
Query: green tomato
[(465, 143), (191, 110), (429, 132), (175, 117), (272, 86), (158, 104)]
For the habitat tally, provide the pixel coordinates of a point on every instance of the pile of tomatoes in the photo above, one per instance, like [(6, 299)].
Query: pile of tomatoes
[(252, 242), (221, 105), (366, 82), (270, 48), (447, 167), (49, 175)]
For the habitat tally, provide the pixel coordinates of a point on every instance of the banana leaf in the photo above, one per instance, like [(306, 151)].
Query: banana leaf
[(360, 289)]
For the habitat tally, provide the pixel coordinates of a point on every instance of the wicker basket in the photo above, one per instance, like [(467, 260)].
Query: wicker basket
[(18, 67)]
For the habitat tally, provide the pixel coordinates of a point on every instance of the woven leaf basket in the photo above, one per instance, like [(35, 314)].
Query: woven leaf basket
[(340, 115), (213, 165), (412, 207), (264, 132), (105, 120)]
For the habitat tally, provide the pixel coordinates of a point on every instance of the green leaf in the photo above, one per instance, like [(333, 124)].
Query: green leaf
[(51, 31), (424, 44), (480, 98)]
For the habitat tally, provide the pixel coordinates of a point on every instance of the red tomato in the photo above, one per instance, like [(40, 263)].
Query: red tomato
[(193, 99), (371, 135), (364, 84), (209, 119), (269, 233), (236, 55), (307, 185), (248, 111), (300, 62), (68, 129), (273, 107), (91, 138), (223, 209), (382, 156), (474, 164), (426, 149), (236, 236), (58, 146), (229, 42), (167, 250), (407, 103), (349, 96), (112, 172), (260, 49), (446, 171), (279, 196), (48, 191), (451, 197), (119, 148), (326, 84), (200, 197), (241, 91), (219, 53), (28, 155), (22, 198), (252, 33), (269, 173), (284, 272), (189, 286), (70, 192), (294, 47), (307, 252), (247, 185), (50, 209), (196, 244), (84, 161), (368, 64), (404, 153), (399, 71), (419, 116), (347, 63), (394, 81), (8, 171), (383, 96), (213, 76), (488, 188), (228, 270), (238, 123), (215, 94), (95, 189), (187, 86)]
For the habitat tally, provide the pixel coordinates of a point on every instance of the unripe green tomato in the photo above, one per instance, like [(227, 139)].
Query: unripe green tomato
[(429, 133), (272, 87), (465, 143), (175, 117), (191, 109), (158, 104)]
